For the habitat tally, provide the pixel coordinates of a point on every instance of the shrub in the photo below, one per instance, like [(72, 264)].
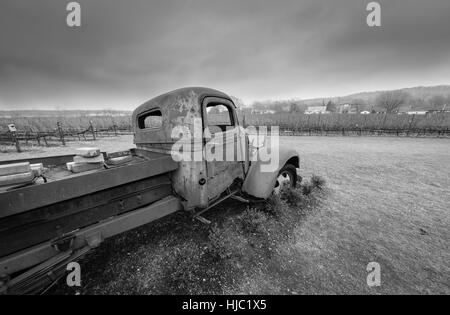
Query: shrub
[(273, 206), (307, 189), (317, 181), (292, 196)]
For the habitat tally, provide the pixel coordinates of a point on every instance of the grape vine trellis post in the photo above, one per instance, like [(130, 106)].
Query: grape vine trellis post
[(61, 133)]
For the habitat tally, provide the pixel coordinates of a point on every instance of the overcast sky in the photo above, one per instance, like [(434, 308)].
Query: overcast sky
[(126, 52)]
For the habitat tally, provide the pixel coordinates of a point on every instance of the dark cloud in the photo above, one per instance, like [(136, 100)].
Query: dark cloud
[(128, 51)]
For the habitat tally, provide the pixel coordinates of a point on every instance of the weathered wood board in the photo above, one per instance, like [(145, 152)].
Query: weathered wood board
[(82, 159), (14, 168), (83, 167), (120, 160), (15, 179), (88, 152)]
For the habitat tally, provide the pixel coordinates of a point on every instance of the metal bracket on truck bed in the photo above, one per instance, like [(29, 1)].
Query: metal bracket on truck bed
[(63, 243)]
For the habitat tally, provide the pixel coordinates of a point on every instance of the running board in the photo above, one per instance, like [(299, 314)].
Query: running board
[(202, 219), (231, 194), (241, 199)]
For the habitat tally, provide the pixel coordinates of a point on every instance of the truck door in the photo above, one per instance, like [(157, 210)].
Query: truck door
[(224, 145)]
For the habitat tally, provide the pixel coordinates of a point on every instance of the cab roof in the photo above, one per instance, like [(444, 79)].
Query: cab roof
[(187, 93)]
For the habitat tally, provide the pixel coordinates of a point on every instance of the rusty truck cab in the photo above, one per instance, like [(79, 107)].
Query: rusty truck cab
[(161, 124)]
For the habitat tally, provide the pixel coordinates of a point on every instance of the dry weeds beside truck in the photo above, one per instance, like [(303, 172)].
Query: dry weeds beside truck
[(48, 224)]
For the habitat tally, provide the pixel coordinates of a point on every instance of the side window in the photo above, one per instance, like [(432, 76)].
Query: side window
[(150, 120), (219, 117)]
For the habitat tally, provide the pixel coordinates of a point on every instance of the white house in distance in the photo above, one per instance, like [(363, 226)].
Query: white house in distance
[(263, 111), (316, 110), (347, 108), (417, 112)]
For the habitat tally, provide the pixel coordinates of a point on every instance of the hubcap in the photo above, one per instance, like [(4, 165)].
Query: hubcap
[(283, 181)]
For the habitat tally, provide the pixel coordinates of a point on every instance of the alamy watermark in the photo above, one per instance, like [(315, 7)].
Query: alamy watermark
[(374, 17), (374, 276), (193, 143), (74, 16), (73, 278)]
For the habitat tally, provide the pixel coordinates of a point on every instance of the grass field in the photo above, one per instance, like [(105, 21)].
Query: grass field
[(387, 200)]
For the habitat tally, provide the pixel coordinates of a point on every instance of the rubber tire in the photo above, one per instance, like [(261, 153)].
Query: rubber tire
[(292, 173)]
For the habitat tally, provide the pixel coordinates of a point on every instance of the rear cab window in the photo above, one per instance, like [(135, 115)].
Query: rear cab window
[(150, 120)]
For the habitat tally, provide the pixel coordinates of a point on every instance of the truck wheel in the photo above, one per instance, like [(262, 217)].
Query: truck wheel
[(287, 177)]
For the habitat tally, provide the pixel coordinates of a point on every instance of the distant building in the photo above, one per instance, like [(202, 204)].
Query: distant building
[(263, 111), (342, 108), (347, 108), (316, 110), (417, 112), (353, 109), (438, 109), (423, 110)]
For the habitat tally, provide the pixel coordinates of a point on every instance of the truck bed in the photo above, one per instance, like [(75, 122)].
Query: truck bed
[(54, 172), (47, 211)]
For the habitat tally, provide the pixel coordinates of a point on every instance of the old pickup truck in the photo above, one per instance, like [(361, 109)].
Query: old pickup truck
[(52, 222)]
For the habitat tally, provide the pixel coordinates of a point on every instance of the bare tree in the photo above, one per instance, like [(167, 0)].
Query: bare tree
[(391, 100), (331, 107), (238, 102), (294, 108)]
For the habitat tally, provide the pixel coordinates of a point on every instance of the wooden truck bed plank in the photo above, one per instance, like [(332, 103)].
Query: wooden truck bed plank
[(32, 197), (69, 207), (49, 227), (48, 160), (110, 227)]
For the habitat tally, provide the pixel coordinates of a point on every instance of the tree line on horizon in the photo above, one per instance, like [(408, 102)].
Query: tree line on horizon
[(384, 101)]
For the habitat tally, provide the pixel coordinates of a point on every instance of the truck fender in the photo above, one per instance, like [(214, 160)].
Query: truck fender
[(260, 184)]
